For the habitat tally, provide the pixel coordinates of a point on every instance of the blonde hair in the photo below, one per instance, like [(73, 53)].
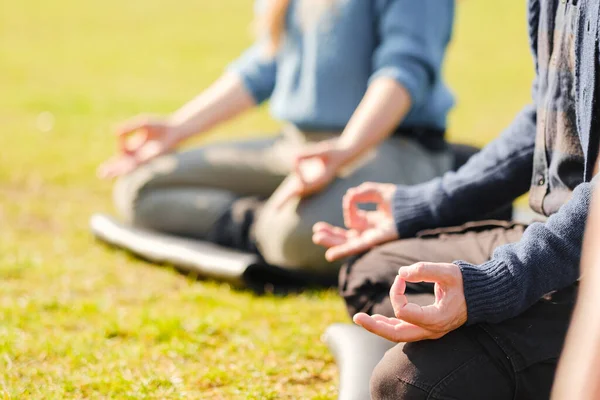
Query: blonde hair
[(271, 22)]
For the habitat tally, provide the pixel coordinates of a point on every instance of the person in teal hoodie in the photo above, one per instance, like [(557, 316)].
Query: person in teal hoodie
[(357, 85)]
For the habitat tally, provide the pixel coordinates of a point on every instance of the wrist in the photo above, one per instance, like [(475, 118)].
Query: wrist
[(490, 291), (180, 130), (348, 151)]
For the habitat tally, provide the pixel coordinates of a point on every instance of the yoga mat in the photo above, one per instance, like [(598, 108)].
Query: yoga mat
[(203, 259), (192, 256), (356, 353)]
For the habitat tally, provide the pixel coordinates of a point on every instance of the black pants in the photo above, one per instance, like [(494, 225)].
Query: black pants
[(515, 359)]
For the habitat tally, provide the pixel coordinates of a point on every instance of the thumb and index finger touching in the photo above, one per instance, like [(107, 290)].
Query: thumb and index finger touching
[(310, 174), (125, 130), (126, 161), (419, 272), (425, 272), (354, 216)]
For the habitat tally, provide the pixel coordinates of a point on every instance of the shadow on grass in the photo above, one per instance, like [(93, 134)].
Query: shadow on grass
[(258, 278)]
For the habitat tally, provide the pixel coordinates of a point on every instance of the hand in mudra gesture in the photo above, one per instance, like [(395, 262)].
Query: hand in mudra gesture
[(139, 141), (364, 229), (413, 322), (314, 167)]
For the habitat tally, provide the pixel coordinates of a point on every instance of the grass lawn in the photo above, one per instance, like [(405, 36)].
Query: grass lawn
[(78, 320)]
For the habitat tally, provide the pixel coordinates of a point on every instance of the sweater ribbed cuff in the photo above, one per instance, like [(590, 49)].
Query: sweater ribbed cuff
[(411, 211), (490, 291)]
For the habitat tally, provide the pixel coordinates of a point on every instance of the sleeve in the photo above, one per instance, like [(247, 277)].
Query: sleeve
[(256, 68), (545, 259), (492, 178), (413, 36)]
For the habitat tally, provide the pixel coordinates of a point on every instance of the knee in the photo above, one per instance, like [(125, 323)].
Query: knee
[(364, 282), (354, 287), (128, 191), (355, 270), (124, 197), (284, 238), (395, 378)]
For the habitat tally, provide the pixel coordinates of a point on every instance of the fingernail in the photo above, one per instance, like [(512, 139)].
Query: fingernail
[(402, 272)]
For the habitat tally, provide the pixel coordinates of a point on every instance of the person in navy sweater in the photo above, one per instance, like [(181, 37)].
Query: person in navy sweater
[(358, 87), (502, 293)]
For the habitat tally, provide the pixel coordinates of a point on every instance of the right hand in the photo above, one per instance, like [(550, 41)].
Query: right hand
[(413, 322), (139, 141), (365, 229), (315, 166)]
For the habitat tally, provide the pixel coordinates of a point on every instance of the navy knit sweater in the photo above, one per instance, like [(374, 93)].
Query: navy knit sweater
[(547, 257)]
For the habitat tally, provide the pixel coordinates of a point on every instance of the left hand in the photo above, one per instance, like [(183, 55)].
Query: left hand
[(315, 166), (414, 322), (365, 229)]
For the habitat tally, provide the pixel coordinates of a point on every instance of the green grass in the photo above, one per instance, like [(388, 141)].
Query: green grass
[(78, 320)]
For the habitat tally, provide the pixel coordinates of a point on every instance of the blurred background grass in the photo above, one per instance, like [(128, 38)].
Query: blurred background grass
[(80, 321)]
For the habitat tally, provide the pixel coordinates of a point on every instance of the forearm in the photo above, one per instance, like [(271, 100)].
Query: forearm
[(577, 373), (383, 107), (580, 361), (224, 99), (492, 178)]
